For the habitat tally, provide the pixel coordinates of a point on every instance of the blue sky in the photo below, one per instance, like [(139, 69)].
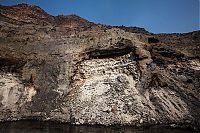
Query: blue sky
[(157, 16)]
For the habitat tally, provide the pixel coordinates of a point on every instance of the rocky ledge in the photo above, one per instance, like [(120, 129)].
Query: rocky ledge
[(67, 69)]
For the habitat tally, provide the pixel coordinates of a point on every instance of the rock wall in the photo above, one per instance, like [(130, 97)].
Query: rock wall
[(96, 75)]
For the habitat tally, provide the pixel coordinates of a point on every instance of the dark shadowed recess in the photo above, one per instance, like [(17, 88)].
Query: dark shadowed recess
[(109, 53), (11, 65), (123, 47)]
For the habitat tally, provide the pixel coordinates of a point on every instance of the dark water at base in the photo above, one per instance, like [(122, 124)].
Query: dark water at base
[(53, 127)]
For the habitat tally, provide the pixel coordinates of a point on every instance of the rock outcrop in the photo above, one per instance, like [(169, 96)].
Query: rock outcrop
[(68, 69)]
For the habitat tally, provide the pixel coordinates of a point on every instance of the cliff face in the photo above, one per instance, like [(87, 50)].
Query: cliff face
[(70, 70)]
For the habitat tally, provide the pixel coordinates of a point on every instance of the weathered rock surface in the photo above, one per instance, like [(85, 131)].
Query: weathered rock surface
[(70, 70)]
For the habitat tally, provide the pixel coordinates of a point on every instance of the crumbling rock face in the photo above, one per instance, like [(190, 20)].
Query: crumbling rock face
[(95, 74)]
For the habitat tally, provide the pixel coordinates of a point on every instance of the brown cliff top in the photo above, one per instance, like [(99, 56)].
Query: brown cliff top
[(33, 14)]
